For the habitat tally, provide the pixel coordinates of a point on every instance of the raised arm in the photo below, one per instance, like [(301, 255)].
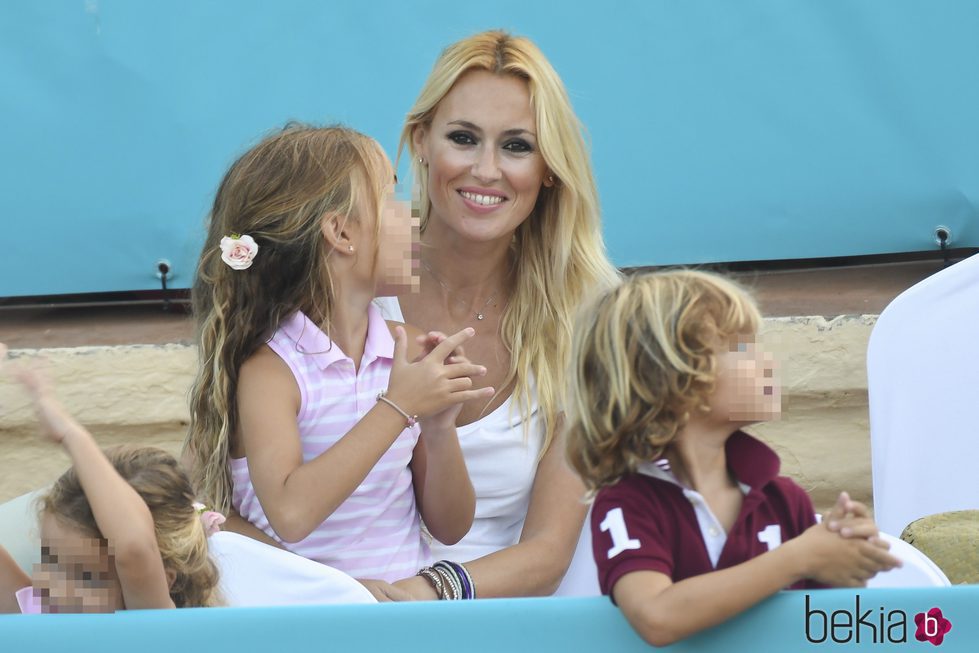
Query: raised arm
[(122, 516)]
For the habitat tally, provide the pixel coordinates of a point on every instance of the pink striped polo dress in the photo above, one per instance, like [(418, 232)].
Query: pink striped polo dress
[(376, 532)]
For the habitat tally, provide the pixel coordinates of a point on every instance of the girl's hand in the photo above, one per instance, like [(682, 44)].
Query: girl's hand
[(430, 384), (445, 419), (55, 421), (840, 562)]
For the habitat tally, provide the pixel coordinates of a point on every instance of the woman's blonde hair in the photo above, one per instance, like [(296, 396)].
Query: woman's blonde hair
[(278, 193), (644, 358), (158, 479), (560, 257)]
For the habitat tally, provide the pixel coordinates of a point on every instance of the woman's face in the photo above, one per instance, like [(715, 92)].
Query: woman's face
[(485, 168)]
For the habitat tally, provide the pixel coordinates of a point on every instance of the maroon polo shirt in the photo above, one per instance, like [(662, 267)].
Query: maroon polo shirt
[(647, 523)]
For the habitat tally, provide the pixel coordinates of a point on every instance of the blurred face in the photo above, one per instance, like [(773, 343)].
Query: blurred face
[(747, 389), (396, 255), (394, 269), (77, 572), (485, 168)]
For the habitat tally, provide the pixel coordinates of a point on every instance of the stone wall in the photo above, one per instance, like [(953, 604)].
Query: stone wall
[(139, 394)]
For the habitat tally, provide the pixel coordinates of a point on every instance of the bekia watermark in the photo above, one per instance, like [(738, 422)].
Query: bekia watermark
[(873, 625)]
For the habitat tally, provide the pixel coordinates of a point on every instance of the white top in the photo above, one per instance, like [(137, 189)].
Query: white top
[(255, 574), (923, 380), (502, 463), (376, 531)]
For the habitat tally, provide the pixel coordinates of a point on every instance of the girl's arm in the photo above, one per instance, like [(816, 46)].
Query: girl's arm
[(238, 524), (12, 578), (234, 522), (296, 496), (663, 612), (535, 565), (443, 490), (120, 513)]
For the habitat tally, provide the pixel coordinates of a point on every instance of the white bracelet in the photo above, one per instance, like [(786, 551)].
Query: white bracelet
[(411, 420)]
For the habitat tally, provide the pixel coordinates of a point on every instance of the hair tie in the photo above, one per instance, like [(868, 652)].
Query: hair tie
[(210, 520)]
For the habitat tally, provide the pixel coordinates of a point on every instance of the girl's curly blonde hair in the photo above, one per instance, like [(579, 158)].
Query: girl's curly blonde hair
[(164, 486), (644, 358)]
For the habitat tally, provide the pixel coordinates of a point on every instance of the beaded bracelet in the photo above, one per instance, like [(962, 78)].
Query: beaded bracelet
[(410, 419), (460, 575), (451, 580), (467, 579), (434, 578), (453, 588)]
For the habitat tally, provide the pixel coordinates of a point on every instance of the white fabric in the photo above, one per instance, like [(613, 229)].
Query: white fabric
[(19, 533), (256, 574), (918, 569), (923, 380), (502, 463)]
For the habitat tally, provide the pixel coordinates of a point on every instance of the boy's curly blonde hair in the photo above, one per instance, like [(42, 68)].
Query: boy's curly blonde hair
[(644, 358)]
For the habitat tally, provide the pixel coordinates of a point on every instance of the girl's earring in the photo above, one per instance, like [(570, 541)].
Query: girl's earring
[(550, 179), (421, 161)]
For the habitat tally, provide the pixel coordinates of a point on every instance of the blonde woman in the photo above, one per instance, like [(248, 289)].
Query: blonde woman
[(511, 246)]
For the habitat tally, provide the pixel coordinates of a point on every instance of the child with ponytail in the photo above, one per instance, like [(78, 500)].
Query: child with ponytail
[(310, 417), (119, 530)]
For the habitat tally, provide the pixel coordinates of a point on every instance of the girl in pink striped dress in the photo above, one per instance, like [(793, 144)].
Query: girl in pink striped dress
[(311, 417)]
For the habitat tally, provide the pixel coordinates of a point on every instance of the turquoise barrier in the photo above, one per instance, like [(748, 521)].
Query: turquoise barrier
[(828, 620), (762, 129)]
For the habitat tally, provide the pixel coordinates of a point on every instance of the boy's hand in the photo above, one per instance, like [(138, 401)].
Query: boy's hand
[(840, 562), (851, 519)]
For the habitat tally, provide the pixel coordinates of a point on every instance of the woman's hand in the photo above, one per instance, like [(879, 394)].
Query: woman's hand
[(383, 591), (417, 588), (431, 384)]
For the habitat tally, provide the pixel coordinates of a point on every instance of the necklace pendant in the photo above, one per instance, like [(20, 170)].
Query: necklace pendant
[(479, 316)]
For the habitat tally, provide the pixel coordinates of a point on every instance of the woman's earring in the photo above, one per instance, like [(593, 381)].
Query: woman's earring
[(421, 161), (550, 179), (350, 248)]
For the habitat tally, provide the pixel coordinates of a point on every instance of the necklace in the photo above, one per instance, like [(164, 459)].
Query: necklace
[(479, 314)]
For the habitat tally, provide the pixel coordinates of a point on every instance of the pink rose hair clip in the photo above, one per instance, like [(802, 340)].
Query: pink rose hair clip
[(238, 251)]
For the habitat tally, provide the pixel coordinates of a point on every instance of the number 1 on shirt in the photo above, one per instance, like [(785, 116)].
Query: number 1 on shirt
[(614, 525)]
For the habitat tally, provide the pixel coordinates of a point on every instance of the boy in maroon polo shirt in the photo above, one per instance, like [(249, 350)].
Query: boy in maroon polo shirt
[(691, 523)]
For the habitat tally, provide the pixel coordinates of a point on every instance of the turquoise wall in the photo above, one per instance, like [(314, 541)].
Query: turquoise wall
[(590, 625), (721, 131)]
